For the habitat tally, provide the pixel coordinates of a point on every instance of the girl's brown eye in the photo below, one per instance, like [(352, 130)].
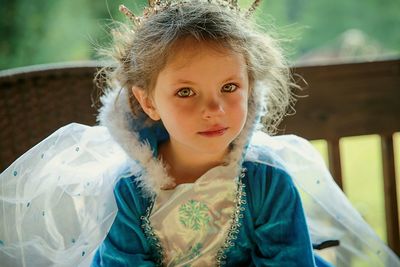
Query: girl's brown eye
[(185, 92), (229, 88)]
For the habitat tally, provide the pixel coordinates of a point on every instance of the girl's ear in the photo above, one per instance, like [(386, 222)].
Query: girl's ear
[(146, 103)]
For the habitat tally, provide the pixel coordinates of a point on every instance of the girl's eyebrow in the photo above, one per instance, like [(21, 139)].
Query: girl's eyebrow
[(233, 77), (182, 81), (230, 78)]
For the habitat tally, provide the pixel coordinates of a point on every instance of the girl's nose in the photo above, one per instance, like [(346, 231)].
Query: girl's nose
[(213, 108)]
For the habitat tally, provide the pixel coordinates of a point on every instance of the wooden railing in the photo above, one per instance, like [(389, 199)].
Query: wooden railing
[(352, 100), (342, 100)]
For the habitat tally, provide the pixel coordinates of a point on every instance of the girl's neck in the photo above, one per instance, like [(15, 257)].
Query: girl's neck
[(187, 167)]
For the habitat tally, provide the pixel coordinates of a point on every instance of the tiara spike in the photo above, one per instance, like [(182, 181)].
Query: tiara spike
[(152, 3), (129, 14), (253, 7)]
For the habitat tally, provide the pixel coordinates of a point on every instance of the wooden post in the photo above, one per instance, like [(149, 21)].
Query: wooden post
[(335, 166), (389, 181)]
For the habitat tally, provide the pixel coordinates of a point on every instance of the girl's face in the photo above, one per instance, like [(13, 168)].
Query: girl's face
[(201, 97)]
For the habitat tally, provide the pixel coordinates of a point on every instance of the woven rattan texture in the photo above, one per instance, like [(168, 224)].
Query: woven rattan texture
[(34, 104)]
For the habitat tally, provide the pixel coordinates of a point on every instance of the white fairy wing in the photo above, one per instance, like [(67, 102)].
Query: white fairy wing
[(56, 201), (329, 214)]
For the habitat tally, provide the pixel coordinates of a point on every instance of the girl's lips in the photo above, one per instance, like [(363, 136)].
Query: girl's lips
[(214, 132)]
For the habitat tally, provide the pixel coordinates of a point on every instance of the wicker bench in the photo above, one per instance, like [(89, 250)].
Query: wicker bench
[(343, 100)]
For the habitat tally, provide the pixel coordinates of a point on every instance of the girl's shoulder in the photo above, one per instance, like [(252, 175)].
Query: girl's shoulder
[(130, 196), (263, 178), (269, 190), (129, 182)]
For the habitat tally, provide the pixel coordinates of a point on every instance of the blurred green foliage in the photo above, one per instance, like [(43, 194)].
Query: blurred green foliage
[(42, 31), (324, 20)]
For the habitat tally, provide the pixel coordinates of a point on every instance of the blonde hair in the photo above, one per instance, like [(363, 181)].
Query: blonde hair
[(140, 52)]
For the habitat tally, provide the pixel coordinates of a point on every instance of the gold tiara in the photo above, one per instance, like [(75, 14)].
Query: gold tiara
[(156, 6)]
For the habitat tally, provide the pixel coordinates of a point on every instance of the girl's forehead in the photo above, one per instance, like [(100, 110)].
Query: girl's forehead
[(198, 61), (187, 51)]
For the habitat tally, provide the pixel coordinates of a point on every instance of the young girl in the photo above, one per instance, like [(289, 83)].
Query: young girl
[(195, 183), (194, 74)]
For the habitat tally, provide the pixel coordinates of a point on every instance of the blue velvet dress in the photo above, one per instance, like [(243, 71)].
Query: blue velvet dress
[(272, 230)]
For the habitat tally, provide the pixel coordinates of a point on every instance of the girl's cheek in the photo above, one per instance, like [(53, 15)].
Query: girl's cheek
[(238, 99), (183, 105)]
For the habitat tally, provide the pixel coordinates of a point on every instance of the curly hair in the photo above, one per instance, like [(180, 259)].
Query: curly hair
[(140, 52)]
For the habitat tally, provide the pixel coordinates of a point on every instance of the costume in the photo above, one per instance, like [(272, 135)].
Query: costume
[(57, 201), (234, 214)]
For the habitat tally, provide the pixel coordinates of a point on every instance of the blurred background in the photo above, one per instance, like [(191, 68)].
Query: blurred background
[(313, 32)]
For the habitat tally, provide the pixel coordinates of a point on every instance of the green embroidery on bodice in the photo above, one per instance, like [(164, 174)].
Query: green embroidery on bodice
[(194, 215)]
